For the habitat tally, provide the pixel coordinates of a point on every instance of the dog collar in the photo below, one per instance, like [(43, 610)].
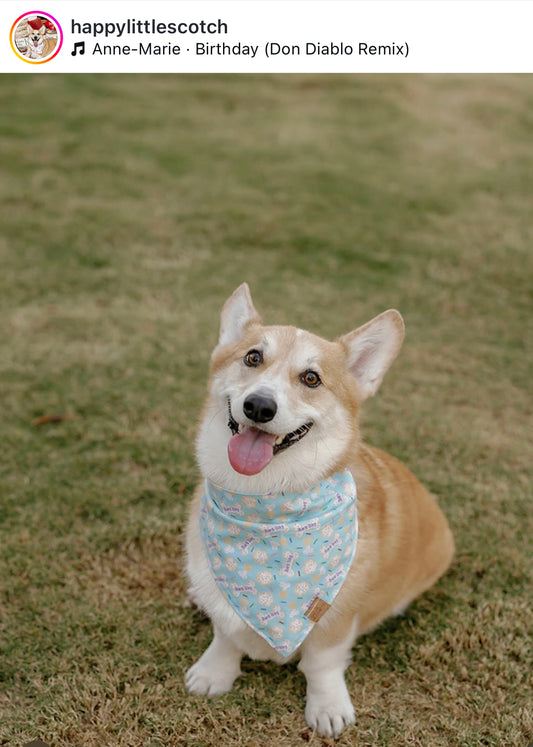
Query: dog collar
[(280, 559)]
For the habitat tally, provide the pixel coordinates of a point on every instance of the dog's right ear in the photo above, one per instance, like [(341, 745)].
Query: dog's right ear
[(238, 312)]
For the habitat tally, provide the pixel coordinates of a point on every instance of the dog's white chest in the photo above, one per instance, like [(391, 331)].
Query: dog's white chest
[(36, 49), (280, 559)]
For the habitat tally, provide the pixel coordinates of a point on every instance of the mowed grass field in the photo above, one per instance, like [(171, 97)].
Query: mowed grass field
[(131, 207)]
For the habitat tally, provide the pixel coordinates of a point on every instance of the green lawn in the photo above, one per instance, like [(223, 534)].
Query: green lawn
[(131, 207)]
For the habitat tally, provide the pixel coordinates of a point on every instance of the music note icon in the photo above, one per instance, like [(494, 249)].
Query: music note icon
[(78, 46)]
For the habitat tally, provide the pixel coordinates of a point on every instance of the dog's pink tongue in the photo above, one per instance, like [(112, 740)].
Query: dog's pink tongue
[(251, 450)]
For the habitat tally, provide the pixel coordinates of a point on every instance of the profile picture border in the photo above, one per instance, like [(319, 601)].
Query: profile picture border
[(36, 13)]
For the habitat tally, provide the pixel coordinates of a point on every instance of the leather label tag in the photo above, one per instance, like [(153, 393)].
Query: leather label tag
[(317, 609)]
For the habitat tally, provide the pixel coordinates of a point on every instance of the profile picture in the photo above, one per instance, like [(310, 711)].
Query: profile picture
[(36, 37)]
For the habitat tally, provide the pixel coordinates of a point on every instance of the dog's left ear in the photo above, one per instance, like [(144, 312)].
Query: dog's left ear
[(237, 313), (372, 348)]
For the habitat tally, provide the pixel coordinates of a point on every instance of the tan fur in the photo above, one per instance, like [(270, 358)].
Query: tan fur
[(49, 46), (404, 543)]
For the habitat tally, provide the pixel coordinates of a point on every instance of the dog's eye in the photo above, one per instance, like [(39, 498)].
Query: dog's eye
[(253, 358), (311, 379)]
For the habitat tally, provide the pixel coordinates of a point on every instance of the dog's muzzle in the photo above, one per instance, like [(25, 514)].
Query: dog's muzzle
[(281, 443)]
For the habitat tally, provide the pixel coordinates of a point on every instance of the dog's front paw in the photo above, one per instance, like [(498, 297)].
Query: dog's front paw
[(329, 715), (211, 681)]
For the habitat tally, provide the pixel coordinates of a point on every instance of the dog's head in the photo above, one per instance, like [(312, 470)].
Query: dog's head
[(36, 37), (283, 403)]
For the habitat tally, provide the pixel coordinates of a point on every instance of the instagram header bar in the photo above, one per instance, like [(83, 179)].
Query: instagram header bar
[(268, 36)]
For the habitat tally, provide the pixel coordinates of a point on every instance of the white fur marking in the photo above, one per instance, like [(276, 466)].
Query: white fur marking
[(217, 669), (329, 708)]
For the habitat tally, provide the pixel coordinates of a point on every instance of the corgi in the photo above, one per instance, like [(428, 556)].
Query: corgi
[(300, 536), (39, 45)]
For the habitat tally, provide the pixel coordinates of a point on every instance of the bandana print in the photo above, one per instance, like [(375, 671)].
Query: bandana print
[(281, 558)]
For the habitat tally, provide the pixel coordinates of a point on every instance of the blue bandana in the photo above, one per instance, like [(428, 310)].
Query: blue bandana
[(281, 558)]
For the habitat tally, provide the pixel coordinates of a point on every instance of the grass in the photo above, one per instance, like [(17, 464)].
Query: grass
[(131, 208)]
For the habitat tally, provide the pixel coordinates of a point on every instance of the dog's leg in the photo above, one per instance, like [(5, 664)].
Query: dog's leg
[(329, 708), (217, 669)]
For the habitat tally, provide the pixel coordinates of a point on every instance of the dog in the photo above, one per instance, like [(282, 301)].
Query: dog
[(301, 537), (39, 45)]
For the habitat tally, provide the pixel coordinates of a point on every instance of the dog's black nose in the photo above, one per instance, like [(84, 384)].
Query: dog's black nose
[(259, 408)]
